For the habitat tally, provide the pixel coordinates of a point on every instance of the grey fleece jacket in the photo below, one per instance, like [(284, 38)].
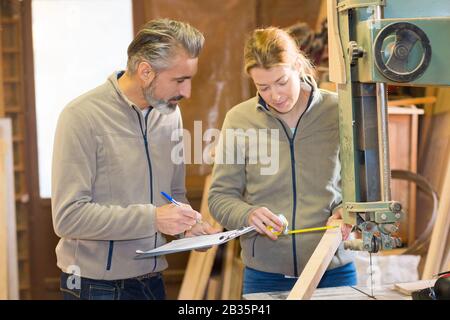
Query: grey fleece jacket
[(109, 166), (305, 188)]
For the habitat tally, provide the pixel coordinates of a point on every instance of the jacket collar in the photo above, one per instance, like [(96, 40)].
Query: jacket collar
[(262, 105), (113, 79)]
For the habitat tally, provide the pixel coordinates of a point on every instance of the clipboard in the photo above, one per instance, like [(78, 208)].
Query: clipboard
[(198, 242)]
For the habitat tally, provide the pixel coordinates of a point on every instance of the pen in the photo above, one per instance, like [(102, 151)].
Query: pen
[(175, 202), (168, 197)]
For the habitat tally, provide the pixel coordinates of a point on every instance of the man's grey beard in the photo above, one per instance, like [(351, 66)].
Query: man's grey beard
[(165, 107)]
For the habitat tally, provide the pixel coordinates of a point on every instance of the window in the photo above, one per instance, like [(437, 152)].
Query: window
[(77, 44)]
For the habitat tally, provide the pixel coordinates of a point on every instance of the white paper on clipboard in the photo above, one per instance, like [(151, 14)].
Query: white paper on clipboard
[(192, 243)]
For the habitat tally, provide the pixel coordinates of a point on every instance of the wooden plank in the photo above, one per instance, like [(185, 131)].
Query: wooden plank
[(237, 274), (409, 287), (442, 103), (9, 282), (446, 261), (384, 292), (18, 36), (13, 20), (228, 269), (3, 225), (2, 98), (200, 264), (214, 286), (412, 110), (335, 51), (411, 101), (412, 186), (321, 15), (426, 122), (434, 156), (403, 135), (197, 274), (440, 231), (317, 264), (233, 270)]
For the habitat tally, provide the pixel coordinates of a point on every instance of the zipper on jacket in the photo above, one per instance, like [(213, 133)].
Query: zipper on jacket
[(147, 152), (294, 182), (110, 253), (253, 246), (294, 192)]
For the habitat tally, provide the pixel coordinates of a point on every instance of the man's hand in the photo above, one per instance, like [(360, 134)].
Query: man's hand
[(345, 228), (200, 229), (172, 219), (262, 218)]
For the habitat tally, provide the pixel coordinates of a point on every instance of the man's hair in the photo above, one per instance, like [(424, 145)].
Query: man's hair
[(160, 40), (270, 47)]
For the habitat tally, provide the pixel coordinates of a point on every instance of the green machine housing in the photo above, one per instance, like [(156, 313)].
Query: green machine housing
[(373, 43)]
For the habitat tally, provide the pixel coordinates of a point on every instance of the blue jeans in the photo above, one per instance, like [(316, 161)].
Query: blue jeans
[(260, 281), (148, 287)]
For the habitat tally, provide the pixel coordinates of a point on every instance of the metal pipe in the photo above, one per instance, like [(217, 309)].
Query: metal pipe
[(378, 12), (383, 142), (383, 135)]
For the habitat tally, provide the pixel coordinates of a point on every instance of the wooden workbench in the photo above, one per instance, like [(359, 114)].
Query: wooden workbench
[(385, 292)]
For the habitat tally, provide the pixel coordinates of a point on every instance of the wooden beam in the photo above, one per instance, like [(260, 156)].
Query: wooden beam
[(3, 226), (446, 261), (196, 277), (2, 101), (409, 287), (411, 101), (442, 105), (403, 133), (200, 264), (233, 271), (317, 264), (440, 231), (426, 122), (412, 201), (9, 283), (321, 15), (383, 292), (335, 51), (412, 110), (227, 268), (214, 286)]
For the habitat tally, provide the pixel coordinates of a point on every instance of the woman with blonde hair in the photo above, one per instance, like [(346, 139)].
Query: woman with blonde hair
[(298, 123)]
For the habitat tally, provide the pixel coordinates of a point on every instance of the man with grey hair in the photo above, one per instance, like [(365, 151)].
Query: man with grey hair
[(112, 160)]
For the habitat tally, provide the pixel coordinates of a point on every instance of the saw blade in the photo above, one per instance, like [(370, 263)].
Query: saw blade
[(371, 274)]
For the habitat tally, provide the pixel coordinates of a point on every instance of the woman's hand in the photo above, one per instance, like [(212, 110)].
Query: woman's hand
[(262, 218), (345, 228)]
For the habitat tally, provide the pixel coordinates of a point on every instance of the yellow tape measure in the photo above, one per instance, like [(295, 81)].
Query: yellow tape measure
[(302, 230)]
